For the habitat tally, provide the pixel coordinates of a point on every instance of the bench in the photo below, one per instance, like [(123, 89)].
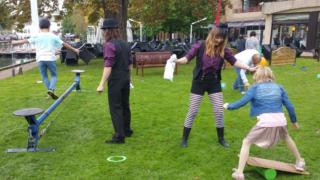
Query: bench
[(152, 59)]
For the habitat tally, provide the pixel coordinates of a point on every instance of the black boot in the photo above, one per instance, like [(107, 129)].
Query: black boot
[(220, 132), (115, 140), (186, 132), (128, 133)]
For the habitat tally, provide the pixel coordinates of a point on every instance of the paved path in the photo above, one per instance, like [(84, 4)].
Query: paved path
[(25, 67)]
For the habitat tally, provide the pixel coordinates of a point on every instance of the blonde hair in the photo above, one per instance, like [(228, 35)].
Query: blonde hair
[(263, 74), (213, 49)]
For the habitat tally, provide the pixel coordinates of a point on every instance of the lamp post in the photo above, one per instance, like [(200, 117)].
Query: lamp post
[(140, 24), (192, 25)]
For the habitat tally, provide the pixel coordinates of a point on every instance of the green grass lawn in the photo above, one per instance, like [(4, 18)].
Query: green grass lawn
[(82, 124)]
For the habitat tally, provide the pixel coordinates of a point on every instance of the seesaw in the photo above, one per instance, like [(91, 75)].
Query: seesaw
[(271, 166), (34, 123)]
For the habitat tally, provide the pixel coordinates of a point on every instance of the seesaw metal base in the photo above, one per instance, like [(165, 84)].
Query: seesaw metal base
[(19, 150), (30, 115)]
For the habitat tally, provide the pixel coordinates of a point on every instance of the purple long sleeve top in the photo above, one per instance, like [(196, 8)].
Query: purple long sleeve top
[(210, 64), (109, 54)]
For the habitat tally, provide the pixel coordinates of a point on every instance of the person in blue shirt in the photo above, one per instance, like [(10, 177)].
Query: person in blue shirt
[(266, 98), (46, 45)]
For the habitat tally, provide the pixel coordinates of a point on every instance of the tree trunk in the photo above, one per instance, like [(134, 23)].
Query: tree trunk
[(121, 15)]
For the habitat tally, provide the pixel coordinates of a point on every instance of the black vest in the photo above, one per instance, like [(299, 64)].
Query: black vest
[(197, 71), (120, 69)]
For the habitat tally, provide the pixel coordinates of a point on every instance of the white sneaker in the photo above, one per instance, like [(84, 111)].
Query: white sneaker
[(243, 92), (300, 165), (237, 176)]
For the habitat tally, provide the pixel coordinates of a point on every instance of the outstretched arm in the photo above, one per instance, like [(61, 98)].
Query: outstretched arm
[(244, 66), (190, 55), (182, 60), (17, 42), (243, 101), (66, 45)]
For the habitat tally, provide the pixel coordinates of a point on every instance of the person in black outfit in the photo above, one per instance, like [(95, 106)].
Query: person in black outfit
[(117, 72)]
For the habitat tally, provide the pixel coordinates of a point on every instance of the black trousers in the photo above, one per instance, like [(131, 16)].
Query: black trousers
[(118, 96)]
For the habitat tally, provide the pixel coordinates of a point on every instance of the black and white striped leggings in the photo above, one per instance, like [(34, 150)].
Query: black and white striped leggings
[(216, 100)]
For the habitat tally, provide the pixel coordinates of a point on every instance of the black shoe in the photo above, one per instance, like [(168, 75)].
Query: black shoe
[(186, 132), (115, 141), (220, 132), (53, 96), (129, 133)]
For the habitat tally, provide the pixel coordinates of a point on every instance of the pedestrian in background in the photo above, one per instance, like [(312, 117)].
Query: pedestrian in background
[(252, 42)]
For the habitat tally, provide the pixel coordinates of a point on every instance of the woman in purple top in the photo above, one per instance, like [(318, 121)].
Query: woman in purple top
[(117, 72), (210, 55)]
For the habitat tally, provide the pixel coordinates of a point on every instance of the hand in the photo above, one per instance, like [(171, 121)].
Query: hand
[(173, 57), (252, 69), (77, 51), (131, 86), (100, 89), (247, 85), (182, 60), (226, 105), (295, 125)]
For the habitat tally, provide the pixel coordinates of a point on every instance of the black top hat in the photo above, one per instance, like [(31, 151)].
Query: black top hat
[(109, 23)]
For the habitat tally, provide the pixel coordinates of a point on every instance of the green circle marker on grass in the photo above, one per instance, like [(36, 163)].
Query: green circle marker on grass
[(116, 158)]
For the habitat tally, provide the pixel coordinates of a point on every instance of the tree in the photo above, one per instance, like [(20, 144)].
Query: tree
[(96, 9), (6, 20), (173, 15), (21, 11), (156, 15), (67, 25)]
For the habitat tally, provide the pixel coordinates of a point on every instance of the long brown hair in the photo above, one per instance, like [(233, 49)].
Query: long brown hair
[(213, 49), (110, 34)]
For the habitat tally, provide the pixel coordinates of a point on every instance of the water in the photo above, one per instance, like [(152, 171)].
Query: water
[(21, 54), (9, 61)]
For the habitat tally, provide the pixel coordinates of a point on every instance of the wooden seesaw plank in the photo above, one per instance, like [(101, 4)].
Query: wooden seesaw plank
[(277, 165)]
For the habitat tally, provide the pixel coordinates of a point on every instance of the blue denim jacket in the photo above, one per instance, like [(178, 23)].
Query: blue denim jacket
[(266, 97)]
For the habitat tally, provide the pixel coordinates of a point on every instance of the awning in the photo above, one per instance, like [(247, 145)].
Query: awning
[(245, 23)]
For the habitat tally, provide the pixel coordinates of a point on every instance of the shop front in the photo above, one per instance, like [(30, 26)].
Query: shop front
[(244, 29), (300, 30)]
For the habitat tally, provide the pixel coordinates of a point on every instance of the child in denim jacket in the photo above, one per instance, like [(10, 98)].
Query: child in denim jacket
[(266, 99)]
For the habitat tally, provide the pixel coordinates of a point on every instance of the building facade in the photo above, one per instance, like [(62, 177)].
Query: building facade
[(292, 21), (244, 17), (278, 22)]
